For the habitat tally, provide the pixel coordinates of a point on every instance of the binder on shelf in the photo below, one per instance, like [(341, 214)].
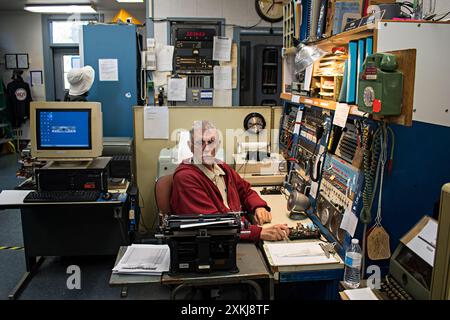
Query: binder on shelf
[(321, 23), (343, 92), (315, 10), (361, 58), (352, 71), (369, 46), (305, 29)]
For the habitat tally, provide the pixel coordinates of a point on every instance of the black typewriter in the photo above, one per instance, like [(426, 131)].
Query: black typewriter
[(202, 243)]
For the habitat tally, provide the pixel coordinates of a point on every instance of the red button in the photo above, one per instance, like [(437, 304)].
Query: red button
[(376, 105)]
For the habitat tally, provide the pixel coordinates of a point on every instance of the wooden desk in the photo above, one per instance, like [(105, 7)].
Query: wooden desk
[(249, 261), (331, 273), (280, 213)]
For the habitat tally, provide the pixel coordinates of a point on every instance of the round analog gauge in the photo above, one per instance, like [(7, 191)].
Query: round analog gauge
[(325, 216), (254, 123)]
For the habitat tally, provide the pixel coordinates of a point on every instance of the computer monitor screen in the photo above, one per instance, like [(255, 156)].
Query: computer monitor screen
[(66, 131), (69, 129)]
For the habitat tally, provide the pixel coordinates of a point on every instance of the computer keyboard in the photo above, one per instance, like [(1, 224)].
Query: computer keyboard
[(62, 196)]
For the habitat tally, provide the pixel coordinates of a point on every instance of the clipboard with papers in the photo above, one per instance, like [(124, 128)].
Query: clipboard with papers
[(293, 255)]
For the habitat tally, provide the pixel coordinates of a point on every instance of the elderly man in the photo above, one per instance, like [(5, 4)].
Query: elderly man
[(205, 185)]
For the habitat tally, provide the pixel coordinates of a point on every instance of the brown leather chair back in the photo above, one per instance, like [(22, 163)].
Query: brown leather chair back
[(163, 191)]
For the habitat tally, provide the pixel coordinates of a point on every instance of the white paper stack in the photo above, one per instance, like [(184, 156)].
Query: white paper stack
[(144, 259), (297, 253), (361, 294)]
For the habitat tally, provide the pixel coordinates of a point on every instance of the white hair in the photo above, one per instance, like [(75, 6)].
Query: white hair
[(202, 125)]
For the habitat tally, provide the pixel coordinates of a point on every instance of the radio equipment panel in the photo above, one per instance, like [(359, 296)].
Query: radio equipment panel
[(339, 189), (192, 59)]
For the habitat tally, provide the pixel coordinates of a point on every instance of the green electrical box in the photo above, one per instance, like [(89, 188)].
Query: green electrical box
[(380, 85)]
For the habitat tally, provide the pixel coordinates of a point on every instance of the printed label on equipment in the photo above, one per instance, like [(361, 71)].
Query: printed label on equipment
[(353, 262), (206, 94)]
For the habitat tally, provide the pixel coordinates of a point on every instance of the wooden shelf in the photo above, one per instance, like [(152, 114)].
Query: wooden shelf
[(343, 38), (316, 102), (340, 39), (405, 58)]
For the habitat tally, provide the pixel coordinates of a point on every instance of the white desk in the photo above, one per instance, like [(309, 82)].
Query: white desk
[(280, 214)]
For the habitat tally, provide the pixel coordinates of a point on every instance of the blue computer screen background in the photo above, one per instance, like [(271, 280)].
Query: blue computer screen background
[(64, 129)]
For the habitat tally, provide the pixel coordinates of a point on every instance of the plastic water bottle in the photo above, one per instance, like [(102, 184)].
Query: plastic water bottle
[(352, 273)]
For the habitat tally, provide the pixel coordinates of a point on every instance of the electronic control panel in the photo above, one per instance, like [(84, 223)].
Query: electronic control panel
[(340, 188), (313, 133), (341, 182), (192, 59), (193, 50), (288, 124)]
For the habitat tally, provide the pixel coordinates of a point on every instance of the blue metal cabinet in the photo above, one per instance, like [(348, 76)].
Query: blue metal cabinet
[(117, 97)]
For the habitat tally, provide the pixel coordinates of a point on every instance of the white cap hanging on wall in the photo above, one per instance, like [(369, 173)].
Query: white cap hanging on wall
[(80, 80)]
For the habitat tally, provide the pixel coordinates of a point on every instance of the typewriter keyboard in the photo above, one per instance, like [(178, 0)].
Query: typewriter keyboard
[(393, 290)]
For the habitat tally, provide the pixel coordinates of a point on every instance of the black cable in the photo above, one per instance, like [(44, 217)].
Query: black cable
[(442, 17)]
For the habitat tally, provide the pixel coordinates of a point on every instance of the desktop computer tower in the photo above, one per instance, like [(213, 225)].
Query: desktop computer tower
[(120, 149), (94, 176)]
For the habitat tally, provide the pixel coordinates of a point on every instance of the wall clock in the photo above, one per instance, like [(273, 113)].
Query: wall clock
[(270, 10)]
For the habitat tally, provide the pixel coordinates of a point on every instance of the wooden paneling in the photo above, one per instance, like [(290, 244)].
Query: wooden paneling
[(406, 60)]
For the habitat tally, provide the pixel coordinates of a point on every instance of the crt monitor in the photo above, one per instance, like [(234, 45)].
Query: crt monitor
[(66, 130)]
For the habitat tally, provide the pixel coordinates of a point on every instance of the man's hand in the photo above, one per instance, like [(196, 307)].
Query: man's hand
[(262, 216), (275, 233)]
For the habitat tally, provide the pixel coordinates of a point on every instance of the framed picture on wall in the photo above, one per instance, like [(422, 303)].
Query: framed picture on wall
[(16, 61), (22, 61), (10, 61)]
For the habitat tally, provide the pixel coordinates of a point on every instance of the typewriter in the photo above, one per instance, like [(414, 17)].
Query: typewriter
[(202, 243), (410, 274)]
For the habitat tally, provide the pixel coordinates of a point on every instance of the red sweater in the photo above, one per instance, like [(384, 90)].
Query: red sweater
[(194, 193)]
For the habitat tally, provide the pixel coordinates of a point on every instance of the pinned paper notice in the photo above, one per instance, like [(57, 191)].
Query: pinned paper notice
[(222, 77), (424, 243), (222, 98), (108, 69), (176, 90), (164, 56), (298, 120), (341, 114), (222, 49), (156, 123), (349, 222)]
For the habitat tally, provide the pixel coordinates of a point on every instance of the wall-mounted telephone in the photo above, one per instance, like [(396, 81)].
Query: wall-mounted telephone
[(380, 85)]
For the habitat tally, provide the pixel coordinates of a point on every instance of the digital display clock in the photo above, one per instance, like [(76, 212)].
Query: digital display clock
[(195, 34)]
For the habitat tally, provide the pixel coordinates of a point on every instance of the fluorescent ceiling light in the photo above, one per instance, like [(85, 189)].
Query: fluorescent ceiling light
[(131, 1), (46, 8)]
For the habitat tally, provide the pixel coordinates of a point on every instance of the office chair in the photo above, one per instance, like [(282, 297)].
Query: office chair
[(163, 191)]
